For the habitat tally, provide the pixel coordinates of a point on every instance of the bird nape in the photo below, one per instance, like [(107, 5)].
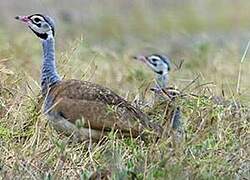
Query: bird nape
[(66, 102)]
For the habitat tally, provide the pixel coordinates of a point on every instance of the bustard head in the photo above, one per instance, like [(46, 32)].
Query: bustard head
[(43, 26), (160, 64)]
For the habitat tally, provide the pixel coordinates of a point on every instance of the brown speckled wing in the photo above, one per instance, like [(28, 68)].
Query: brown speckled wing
[(99, 106)]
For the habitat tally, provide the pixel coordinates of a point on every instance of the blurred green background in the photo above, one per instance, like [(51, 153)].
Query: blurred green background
[(210, 36)]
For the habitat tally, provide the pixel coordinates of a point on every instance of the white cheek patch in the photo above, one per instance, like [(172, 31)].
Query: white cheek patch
[(158, 66), (162, 67), (39, 30), (50, 34), (166, 67), (45, 27), (154, 68)]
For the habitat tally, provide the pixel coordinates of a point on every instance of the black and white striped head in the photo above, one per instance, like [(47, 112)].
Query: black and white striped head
[(160, 64), (43, 26)]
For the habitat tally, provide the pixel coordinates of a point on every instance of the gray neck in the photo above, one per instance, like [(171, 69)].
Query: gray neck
[(49, 74), (161, 81)]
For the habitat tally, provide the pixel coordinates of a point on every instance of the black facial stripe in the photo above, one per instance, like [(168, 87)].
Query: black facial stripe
[(154, 64), (163, 58), (151, 62), (53, 31), (42, 36), (159, 72), (37, 24)]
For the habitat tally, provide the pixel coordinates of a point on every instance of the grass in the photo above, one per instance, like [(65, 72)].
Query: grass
[(216, 140)]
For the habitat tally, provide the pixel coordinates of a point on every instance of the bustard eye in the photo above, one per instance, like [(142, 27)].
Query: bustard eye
[(36, 19)]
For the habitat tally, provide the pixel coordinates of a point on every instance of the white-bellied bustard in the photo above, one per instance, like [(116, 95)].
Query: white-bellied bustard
[(160, 65), (67, 101)]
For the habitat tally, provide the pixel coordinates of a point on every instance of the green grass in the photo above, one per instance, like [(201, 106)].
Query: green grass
[(216, 142)]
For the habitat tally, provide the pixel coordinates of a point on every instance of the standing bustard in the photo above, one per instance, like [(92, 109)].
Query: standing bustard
[(67, 101)]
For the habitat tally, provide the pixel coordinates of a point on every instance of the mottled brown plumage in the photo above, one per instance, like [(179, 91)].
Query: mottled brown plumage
[(100, 108)]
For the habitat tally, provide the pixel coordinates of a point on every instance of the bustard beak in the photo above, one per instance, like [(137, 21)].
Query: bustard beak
[(24, 19), (140, 58)]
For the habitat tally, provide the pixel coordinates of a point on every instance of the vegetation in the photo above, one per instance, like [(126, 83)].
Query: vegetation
[(95, 42)]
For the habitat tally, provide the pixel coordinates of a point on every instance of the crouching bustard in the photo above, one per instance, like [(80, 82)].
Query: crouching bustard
[(160, 65), (67, 101)]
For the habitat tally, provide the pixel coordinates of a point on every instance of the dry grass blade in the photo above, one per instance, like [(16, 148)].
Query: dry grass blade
[(240, 67)]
